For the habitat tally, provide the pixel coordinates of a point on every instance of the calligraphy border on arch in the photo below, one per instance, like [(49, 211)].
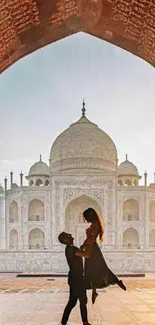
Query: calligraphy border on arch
[(72, 193)]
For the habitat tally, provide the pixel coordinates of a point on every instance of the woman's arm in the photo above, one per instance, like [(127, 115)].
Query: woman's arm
[(86, 253)]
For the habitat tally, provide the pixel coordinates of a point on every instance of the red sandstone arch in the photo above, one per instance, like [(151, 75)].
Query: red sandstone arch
[(27, 25)]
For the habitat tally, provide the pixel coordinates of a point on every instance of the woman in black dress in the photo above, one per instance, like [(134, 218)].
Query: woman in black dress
[(97, 273)]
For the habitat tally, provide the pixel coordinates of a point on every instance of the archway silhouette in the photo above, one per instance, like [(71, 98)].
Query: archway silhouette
[(29, 25)]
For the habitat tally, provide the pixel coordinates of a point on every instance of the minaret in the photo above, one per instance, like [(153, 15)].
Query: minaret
[(145, 178), (11, 179), (21, 179), (2, 218)]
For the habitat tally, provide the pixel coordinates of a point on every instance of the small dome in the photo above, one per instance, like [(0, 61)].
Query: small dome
[(14, 185), (83, 145), (39, 169), (1, 189), (127, 168)]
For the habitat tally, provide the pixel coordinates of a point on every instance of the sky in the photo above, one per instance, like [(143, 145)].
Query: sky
[(42, 94)]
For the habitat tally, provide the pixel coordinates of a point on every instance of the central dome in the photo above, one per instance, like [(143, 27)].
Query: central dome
[(83, 146)]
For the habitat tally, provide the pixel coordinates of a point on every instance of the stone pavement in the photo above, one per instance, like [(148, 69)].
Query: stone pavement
[(44, 306)]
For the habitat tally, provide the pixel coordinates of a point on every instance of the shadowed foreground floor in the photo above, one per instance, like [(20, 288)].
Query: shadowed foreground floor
[(38, 302)]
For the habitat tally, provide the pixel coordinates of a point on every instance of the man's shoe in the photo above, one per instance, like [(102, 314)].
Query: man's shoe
[(86, 323)]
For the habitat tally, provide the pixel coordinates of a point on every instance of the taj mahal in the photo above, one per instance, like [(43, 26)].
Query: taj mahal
[(83, 171)]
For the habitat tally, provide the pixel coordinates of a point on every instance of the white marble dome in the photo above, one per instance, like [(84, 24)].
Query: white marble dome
[(127, 168), (40, 168), (83, 146)]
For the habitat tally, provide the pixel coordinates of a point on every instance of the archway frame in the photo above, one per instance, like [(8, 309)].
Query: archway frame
[(127, 25), (79, 226)]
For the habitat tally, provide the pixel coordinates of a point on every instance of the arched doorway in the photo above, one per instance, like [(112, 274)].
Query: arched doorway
[(152, 238), (36, 239), (130, 210), (13, 242), (36, 210), (74, 223), (131, 239)]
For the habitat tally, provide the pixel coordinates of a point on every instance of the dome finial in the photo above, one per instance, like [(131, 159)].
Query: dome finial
[(126, 157), (83, 109), (40, 158)]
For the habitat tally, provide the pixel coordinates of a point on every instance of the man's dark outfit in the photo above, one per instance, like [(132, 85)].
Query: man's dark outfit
[(76, 283)]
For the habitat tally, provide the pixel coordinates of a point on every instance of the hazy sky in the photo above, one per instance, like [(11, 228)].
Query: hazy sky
[(42, 94)]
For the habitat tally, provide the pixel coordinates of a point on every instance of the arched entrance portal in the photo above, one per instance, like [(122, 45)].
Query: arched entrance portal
[(74, 223)]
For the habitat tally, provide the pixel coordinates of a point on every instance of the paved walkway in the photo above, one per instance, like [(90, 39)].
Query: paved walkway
[(45, 306)]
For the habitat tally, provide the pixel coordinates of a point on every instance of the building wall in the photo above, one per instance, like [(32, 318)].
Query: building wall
[(51, 261), (63, 198)]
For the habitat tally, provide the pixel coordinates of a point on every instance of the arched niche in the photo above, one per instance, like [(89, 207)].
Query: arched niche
[(13, 240), (36, 239), (39, 182), (13, 211), (47, 182), (127, 182), (74, 222), (152, 238), (36, 211), (130, 210), (131, 239), (152, 211)]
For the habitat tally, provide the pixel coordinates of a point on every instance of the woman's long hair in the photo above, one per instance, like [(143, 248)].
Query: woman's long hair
[(90, 215)]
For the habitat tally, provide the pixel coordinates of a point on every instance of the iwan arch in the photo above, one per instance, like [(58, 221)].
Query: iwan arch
[(29, 25)]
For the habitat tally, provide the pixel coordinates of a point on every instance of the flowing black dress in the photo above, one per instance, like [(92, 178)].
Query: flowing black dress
[(97, 274)]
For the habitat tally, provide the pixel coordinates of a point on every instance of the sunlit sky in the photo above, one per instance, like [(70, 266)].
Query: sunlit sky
[(42, 94)]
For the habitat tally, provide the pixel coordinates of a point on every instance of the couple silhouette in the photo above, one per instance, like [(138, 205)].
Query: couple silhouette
[(95, 272)]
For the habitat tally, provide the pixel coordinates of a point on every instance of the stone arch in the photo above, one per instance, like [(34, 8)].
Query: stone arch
[(13, 211), (70, 18), (36, 239), (13, 240), (127, 182), (36, 210), (31, 183), (152, 238), (135, 182), (74, 223), (130, 210), (131, 238), (120, 183), (152, 211), (39, 182)]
